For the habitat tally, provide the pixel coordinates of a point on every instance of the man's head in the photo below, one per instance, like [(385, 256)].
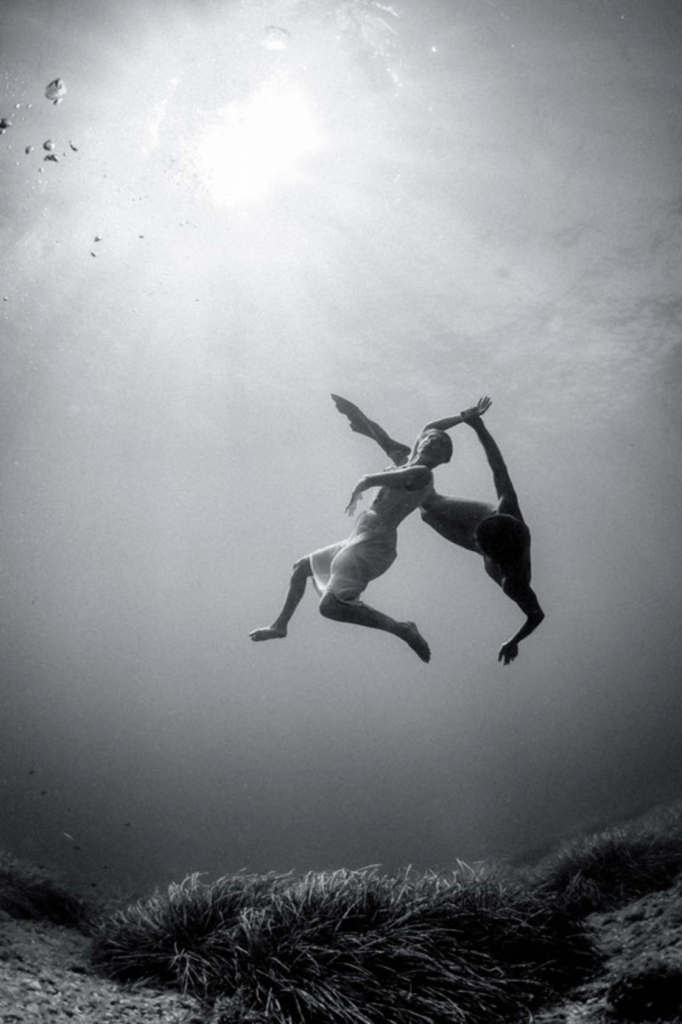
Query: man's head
[(433, 447), (503, 538)]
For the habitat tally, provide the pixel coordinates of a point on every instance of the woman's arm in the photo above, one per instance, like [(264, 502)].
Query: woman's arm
[(482, 405), (413, 478)]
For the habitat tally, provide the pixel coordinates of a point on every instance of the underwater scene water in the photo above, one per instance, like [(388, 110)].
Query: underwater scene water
[(214, 215)]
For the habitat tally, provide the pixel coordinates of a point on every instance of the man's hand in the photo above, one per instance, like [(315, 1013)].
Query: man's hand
[(508, 652), (482, 406)]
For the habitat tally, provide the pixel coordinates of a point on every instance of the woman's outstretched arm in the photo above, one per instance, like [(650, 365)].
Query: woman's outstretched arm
[(412, 477), (482, 405)]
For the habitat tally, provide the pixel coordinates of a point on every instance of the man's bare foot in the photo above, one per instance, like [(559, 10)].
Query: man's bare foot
[(268, 633), (413, 637)]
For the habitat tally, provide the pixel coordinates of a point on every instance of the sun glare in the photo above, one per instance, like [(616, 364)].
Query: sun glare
[(251, 148)]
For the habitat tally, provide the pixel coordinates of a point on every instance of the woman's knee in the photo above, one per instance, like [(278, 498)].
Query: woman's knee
[(333, 606), (328, 606)]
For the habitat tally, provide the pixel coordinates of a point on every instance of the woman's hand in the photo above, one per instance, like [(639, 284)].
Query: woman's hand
[(355, 497), (482, 406), (352, 504)]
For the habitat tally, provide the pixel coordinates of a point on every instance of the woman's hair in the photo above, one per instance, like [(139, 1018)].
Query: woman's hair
[(503, 538), (444, 439)]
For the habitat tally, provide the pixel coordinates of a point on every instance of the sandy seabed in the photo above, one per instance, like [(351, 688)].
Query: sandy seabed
[(45, 972), (45, 976)]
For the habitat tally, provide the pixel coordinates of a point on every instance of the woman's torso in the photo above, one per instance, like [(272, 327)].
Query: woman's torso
[(393, 504)]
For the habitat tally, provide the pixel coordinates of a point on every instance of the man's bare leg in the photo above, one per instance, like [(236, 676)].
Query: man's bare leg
[(278, 629), (456, 519), (363, 615)]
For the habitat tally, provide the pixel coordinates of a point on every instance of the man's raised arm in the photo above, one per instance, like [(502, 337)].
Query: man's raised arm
[(508, 502), (362, 424)]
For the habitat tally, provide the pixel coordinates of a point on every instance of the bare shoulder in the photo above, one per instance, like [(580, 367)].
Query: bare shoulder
[(417, 477)]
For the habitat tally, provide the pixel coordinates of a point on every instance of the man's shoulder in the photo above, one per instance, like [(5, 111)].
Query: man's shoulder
[(508, 505)]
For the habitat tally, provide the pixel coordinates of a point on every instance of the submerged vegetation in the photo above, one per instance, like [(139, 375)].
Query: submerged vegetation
[(26, 892), (472, 945), (353, 946), (612, 867)]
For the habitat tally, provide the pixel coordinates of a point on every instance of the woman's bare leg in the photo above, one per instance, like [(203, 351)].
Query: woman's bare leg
[(278, 629), (364, 615)]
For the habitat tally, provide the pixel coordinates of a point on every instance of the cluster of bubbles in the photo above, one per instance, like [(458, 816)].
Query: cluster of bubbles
[(55, 91)]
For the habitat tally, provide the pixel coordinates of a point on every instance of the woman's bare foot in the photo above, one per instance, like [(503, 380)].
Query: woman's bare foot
[(268, 633), (416, 641)]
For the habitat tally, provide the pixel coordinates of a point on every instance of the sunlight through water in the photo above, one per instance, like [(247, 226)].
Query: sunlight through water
[(252, 147)]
